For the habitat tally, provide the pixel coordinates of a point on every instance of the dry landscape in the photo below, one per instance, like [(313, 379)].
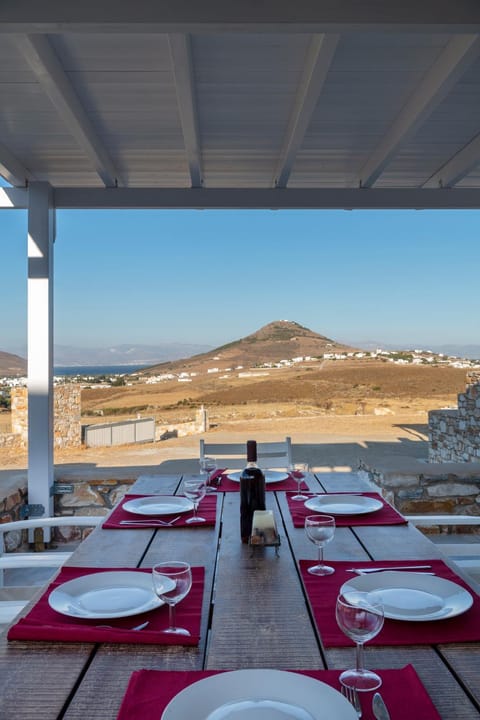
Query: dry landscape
[(366, 404), (359, 399), (327, 388)]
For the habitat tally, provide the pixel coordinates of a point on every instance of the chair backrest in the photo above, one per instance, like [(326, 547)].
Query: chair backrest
[(463, 549), (14, 598), (232, 455), (431, 520), (44, 522), (37, 559)]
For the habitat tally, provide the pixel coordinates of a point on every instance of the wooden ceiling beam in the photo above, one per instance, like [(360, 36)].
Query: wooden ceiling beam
[(456, 57), (51, 76)]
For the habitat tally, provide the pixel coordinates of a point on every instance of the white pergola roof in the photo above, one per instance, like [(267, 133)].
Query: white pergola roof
[(253, 103)]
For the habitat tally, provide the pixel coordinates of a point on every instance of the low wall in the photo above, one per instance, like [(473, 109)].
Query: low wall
[(454, 435), (12, 440), (11, 502), (417, 488), (201, 424)]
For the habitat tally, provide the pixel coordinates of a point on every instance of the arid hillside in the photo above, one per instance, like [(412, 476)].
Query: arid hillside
[(352, 387), (279, 340), (12, 364)]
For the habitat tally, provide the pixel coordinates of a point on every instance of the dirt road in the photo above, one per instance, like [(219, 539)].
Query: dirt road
[(328, 442)]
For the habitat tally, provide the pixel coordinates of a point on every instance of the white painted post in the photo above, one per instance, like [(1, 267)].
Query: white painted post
[(41, 230)]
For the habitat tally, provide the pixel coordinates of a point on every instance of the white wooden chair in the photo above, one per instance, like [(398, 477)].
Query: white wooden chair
[(464, 552), (232, 455), (14, 598)]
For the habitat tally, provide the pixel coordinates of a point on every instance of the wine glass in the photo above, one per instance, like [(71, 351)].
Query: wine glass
[(172, 582), (208, 465), (195, 489), (360, 617), (320, 530), (299, 471)]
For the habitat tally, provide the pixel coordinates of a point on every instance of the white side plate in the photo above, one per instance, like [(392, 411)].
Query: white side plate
[(412, 596), (111, 594), (259, 695), (271, 476), (344, 504), (158, 505)]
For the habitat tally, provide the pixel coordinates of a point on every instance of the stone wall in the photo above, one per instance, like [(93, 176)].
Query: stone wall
[(11, 440), (11, 503), (19, 410), (92, 496), (66, 415), (454, 435), (201, 424), (423, 489), (67, 411)]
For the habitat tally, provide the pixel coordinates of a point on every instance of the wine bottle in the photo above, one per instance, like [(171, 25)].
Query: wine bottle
[(252, 491)]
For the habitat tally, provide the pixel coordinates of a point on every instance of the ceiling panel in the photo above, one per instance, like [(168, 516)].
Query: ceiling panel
[(92, 102)]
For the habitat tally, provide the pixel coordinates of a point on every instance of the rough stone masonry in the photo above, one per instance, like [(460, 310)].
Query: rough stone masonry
[(454, 434)]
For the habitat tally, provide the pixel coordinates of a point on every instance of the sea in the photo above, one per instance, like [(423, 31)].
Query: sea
[(96, 369)]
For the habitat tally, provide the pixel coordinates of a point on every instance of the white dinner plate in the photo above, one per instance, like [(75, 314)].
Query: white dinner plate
[(344, 504), (413, 596), (158, 505), (259, 695), (271, 476), (111, 594)]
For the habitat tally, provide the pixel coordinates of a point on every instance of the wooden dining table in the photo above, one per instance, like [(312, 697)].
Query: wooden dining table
[(255, 613)]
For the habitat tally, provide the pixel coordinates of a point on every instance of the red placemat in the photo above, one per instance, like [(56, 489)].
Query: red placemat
[(387, 515), (322, 593), (43, 623), (221, 481), (149, 692), (207, 509)]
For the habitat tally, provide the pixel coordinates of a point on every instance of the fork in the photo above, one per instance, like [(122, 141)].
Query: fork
[(136, 628), (146, 523), (367, 570), (352, 696)]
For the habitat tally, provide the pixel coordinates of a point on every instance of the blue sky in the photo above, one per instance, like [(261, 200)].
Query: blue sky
[(408, 278)]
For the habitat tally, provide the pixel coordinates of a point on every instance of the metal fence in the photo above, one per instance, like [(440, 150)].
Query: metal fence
[(119, 433)]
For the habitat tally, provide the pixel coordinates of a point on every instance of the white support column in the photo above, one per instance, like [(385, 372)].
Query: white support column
[(41, 230)]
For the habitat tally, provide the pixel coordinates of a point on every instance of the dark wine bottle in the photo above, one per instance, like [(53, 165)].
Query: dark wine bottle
[(252, 491)]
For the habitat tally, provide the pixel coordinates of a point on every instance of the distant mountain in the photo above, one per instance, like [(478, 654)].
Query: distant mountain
[(279, 340), (471, 352), (461, 351), (12, 365), (65, 355), (125, 354)]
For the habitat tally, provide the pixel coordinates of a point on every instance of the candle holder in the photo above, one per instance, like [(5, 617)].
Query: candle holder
[(264, 531)]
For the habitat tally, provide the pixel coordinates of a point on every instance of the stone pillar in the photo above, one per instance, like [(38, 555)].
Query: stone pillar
[(19, 410), (67, 415), (201, 420)]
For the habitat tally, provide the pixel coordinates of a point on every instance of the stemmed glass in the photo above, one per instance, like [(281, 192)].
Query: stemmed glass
[(195, 489), (360, 617), (300, 470), (172, 582), (208, 465), (320, 530)]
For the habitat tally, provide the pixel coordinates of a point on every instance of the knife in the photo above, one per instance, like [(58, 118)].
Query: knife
[(379, 708), (396, 567)]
